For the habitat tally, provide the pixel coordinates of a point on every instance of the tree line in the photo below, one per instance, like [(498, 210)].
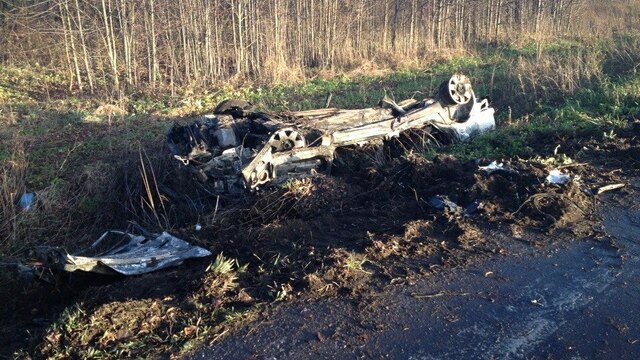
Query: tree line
[(118, 44)]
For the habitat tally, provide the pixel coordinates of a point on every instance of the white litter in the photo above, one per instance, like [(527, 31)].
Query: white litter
[(557, 177), (494, 167)]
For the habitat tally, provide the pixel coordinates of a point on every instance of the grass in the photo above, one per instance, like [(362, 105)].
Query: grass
[(136, 328), (590, 113), (83, 164), (221, 276), (354, 262), (12, 183)]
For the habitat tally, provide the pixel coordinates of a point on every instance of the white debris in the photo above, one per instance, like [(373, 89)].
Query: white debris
[(609, 188), (537, 302), (198, 227), (557, 177), (494, 166), (226, 137)]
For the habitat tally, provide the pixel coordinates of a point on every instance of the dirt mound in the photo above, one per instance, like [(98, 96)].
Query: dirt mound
[(302, 198), (517, 192)]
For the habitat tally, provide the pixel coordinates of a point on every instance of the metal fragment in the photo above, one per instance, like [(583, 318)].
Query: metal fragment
[(126, 253)]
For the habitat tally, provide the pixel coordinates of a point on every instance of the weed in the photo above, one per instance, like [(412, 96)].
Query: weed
[(220, 277), (280, 292), (354, 263), (221, 265)]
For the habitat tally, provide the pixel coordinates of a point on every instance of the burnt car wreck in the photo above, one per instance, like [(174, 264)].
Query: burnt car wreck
[(239, 149)]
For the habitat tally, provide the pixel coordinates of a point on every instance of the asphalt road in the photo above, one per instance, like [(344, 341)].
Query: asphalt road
[(570, 300)]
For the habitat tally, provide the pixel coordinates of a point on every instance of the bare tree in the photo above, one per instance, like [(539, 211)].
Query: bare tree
[(158, 43)]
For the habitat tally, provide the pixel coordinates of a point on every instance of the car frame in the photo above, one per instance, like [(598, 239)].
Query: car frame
[(238, 149)]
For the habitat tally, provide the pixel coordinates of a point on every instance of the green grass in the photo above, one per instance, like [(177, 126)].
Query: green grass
[(587, 115)]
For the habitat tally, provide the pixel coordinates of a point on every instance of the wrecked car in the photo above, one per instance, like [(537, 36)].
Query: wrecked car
[(238, 148)]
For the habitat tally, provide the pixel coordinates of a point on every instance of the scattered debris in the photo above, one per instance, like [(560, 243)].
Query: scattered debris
[(443, 203), (126, 254), (472, 208), (494, 167), (557, 177), (609, 188), (537, 302), (439, 294), (27, 200), (239, 148)]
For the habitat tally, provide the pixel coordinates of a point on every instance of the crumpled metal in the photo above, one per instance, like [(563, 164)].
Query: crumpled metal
[(130, 255)]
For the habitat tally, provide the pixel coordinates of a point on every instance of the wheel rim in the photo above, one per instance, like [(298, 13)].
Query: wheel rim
[(459, 89), (286, 139)]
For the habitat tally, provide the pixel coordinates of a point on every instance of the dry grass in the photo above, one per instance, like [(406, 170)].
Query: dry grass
[(152, 201), (12, 186), (547, 73)]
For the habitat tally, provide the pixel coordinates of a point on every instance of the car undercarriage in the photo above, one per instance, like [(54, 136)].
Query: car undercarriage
[(238, 149)]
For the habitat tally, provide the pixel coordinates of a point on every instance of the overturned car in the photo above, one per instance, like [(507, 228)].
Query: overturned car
[(238, 149)]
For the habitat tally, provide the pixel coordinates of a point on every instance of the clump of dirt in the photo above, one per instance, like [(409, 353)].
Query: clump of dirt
[(302, 198), (559, 208), (516, 193)]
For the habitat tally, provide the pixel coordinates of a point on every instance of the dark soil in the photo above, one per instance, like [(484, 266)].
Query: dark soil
[(376, 221)]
